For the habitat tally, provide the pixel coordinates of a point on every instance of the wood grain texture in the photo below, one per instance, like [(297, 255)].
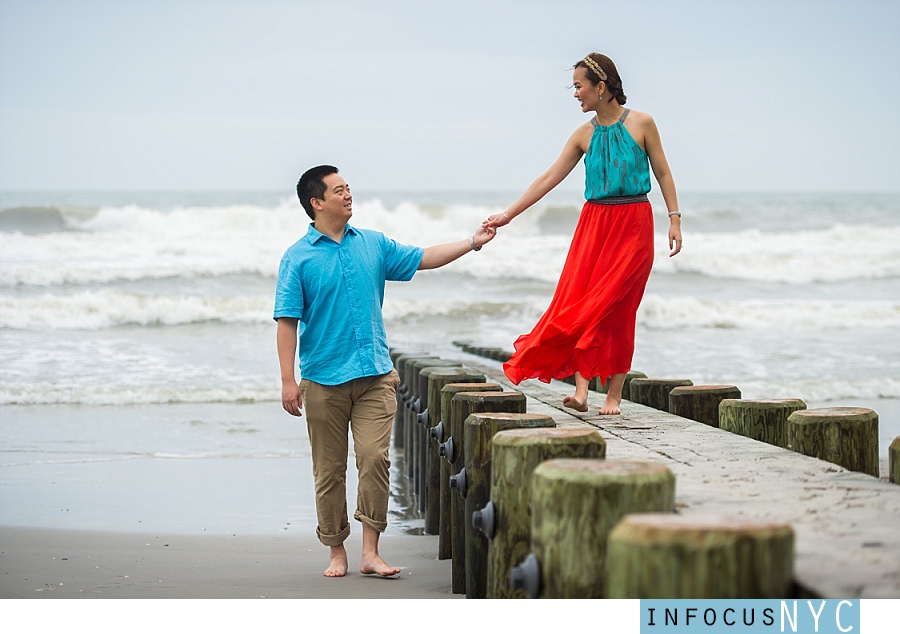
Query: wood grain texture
[(846, 436), (763, 420)]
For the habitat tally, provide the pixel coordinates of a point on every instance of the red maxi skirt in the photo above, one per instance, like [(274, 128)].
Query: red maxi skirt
[(589, 326)]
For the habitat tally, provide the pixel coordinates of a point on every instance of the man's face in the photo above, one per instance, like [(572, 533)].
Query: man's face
[(336, 203)]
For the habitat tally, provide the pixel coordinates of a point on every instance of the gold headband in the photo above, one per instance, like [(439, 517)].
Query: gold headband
[(594, 66)]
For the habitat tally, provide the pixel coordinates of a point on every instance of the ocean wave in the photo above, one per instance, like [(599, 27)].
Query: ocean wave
[(689, 312), (96, 310), (812, 390), (103, 309), (39, 393), (831, 255), (133, 243)]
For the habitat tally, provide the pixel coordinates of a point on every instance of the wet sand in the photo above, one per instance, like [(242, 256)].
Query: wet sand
[(39, 563)]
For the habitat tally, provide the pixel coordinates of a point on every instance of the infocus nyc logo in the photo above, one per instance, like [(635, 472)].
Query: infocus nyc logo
[(816, 616)]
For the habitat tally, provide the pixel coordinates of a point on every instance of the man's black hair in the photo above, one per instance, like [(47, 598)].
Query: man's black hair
[(312, 185)]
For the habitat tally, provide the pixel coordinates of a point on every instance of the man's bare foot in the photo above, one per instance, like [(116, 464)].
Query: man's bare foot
[(573, 402), (611, 406), (374, 565), (338, 567)]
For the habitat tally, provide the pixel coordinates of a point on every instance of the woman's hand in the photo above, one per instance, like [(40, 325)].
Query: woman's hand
[(497, 220), (675, 238)]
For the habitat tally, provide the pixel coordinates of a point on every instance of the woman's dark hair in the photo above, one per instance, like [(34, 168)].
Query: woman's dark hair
[(613, 81), (312, 185)]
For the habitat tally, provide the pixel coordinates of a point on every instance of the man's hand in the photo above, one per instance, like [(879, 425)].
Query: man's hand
[(484, 235), (292, 399)]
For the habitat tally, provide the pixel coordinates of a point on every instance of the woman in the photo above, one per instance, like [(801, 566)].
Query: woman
[(588, 330)]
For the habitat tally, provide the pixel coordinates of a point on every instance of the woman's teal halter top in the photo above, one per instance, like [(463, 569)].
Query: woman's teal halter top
[(615, 165)]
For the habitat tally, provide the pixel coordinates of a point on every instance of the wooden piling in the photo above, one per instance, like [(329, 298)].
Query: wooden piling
[(462, 405), (654, 392), (515, 455), (445, 536), (894, 461), (416, 432), (669, 556), (763, 420), (437, 379), (846, 436), (700, 402), (575, 504), (403, 398), (480, 430)]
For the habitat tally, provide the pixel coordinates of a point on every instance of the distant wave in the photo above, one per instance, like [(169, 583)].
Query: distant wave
[(34, 393), (689, 312), (830, 255), (14, 393), (133, 243), (97, 310), (813, 390)]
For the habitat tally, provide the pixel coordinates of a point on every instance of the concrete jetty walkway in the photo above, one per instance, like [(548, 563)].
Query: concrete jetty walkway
[(847, 524)]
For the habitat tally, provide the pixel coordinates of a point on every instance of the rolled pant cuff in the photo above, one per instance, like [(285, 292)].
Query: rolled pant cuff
[(378, 526), (333, 540)]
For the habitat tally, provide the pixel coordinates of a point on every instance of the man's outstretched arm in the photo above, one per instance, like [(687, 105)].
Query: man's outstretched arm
[(291, 399), (441, 254)]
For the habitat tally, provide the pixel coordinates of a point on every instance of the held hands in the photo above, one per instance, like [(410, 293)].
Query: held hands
[(292, 398), (484, 235)]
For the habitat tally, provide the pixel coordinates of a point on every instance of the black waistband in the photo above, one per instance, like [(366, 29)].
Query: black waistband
[(620, 200)]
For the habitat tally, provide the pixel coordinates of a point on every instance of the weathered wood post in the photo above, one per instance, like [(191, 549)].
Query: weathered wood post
[(700, 402), (403, 395), (410, 377), (626, 388), (654, 392), (846, 436), (575, 504), (416, 436), (445, 452), (669, 556), (763, 420), (516, 454), (480, 430), (462, 405), (437, 379), (894, 460)]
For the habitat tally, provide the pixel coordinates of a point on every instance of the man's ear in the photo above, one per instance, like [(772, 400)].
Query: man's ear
[(316, 203)]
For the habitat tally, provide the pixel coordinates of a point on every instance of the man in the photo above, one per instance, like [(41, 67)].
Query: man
[(329, 296)]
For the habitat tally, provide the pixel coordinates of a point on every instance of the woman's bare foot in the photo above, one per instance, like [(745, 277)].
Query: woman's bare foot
[(338, 567), (611, 406), (374, 565), (573, 402)]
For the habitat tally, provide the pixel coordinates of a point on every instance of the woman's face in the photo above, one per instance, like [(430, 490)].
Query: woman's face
[(587, 93)]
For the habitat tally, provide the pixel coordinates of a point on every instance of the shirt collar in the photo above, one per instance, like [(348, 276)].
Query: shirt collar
[(314, 235)]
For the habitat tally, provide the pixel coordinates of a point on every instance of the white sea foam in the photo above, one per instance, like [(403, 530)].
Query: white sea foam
[(809, 389), (133, 243), (39, 393), (690, 312), (95, 310), (800, 257), (814, 390)]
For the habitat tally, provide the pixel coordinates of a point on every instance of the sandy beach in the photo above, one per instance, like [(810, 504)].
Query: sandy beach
[(37, 563)]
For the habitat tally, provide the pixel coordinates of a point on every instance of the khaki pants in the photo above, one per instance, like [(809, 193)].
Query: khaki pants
[(367, 406)]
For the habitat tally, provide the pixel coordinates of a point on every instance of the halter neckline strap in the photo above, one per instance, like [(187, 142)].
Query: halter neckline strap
[(620, 120)]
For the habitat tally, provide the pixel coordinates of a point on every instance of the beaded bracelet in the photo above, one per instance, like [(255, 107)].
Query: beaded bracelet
[(674, 213)]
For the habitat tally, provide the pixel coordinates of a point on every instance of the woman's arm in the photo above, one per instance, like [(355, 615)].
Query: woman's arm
[(571, 154), (660, 167)]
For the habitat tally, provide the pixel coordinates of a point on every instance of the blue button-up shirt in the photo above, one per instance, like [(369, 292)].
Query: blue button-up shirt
[(336, 292)]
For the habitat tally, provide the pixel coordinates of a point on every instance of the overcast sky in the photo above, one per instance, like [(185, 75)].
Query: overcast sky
[(244, 95)]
